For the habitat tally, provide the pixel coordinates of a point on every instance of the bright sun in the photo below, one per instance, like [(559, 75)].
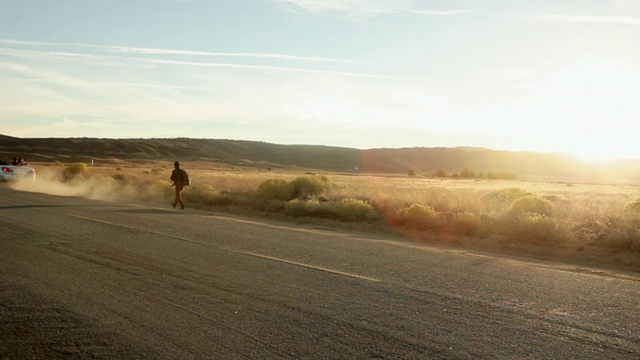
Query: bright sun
[(589, 109)]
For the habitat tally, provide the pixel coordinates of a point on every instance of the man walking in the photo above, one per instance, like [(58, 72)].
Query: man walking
[(180, 179)]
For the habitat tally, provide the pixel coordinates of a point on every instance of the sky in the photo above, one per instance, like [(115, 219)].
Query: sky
[(545, 76)]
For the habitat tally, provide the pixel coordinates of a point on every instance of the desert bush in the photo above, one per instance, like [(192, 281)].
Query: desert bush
[(354, 210), (417, 216), (561, 204), (531, 204), (310, 207), (154, 171), (633, 206), (200, 194), (106, 181), (242, 198), (620, 232), (274, 189), (463, 223), (345, 209), (621, 239), (119, 177), (296, 208), (156, 190), (73, 171), (533, 228), (303, 187), (307, 186), (505, 197)]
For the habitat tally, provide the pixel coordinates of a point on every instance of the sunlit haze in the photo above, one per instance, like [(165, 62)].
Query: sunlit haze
[(547, 76)]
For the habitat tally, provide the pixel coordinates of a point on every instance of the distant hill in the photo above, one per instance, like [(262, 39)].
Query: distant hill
[(231, 152), (422, 161), (5, 137)]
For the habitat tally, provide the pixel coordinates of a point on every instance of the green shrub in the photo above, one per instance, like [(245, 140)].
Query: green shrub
[(119, 177), (106, 182), (535, 229), (200, 194), (226, 198), (346, 209), (531, 204), (621, 240), (463, 223), (505, 197), (295, 208), (274, 189), (417, 216), (312, 207), (306, 186), (157, 190), (633, 206), (354, 210), (73, 171), (162, 189), (154, 171), (300, 188)]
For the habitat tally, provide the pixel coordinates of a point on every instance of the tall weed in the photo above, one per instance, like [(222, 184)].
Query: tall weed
[(354, 210), (274, 189), (531, 204), (418, 216), (74, 171), (201, 194)]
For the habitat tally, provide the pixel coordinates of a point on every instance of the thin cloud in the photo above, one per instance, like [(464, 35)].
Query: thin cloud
[(102, 83), (152, 51), (29, 55), (369, 7), (438, 12), (27, 74), (266, 67), (43, 75), (153, 86), (156, 51), (581, 19)]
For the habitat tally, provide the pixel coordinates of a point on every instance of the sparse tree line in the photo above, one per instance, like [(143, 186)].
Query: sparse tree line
[(469, 174)]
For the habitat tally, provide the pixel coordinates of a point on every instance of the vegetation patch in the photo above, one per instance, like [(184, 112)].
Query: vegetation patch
[(274, 189), (533, 228), (531, 204), (203, 194), (74, 171), (504, 197), (418, 216), (304, 187), (550, 216)]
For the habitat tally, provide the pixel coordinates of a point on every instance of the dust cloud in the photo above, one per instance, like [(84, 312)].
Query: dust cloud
[(49, 181)]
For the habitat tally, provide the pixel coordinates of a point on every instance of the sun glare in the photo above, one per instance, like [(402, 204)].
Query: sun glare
[(588, 110)]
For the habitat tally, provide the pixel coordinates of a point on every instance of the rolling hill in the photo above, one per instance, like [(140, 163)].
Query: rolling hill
[(423, 161)]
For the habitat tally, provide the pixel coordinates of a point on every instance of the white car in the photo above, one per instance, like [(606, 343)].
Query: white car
[(10, 172)]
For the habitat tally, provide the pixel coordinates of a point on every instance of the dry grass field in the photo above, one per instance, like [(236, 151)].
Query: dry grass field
[(584, 224)]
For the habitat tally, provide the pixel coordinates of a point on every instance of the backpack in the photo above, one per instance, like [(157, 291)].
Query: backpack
[(186, 180)]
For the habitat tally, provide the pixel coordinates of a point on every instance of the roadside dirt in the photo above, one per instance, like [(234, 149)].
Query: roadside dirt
[(587, 256)]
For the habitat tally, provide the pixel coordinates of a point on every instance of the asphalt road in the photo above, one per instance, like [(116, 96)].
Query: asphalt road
[(84, 279)]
